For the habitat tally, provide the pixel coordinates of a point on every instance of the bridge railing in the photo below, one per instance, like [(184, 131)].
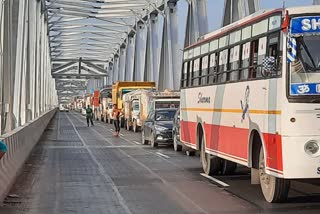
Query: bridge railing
[(20, 143)]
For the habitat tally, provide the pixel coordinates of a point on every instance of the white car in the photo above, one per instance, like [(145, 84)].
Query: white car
[(83, 112)]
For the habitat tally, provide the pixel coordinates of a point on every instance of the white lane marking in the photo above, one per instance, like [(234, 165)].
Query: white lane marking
[(103, 172), (121, 135), (136, 142), (111, 129), (162, 155), (156, 174), (215, 180), (91, 147)]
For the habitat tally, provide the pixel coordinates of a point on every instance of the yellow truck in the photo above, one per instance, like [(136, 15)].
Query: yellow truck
[(119, 89), (139, 103)]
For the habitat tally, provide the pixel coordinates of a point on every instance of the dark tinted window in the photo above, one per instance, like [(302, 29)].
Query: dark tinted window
[(165, 115)]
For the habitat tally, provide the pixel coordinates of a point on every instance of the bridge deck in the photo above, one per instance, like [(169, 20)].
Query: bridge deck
[(79, 169)]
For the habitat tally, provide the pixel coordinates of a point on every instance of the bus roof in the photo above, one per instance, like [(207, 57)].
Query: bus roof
[(247, 20), (312, 9)]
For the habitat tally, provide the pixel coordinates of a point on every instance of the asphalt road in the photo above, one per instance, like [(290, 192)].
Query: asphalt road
[(80, 169)]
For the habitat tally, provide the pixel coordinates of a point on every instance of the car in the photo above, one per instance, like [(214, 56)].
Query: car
[(83, 111), (177, 145), (157, 128)]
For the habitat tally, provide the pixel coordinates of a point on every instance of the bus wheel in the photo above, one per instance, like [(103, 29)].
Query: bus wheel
[(211, 164), (274, 189), (228, 167)]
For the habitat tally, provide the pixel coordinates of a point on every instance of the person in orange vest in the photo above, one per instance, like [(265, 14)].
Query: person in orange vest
[(116, 119), (3, 149)]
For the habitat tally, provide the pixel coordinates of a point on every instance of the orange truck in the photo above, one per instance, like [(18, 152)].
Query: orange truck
[(121, 88), (96, 104)]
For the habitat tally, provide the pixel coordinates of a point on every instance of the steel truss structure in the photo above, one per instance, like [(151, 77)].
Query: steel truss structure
[(54, 50), (27, 89)]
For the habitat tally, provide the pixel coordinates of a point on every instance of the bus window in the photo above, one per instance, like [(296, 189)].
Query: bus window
[(223, 62), (273, 49), (213, 68), (204, 70), (262, 49), (254, 59), (184, 76), (244, 74), (234, 63), (196, 72), (190, 73)]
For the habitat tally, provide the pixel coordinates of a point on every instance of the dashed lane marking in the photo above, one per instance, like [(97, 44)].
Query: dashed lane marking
[(136, 142), (215, 180), (162, 155)]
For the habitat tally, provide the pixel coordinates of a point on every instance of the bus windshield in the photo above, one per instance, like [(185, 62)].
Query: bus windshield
[(305, 70)]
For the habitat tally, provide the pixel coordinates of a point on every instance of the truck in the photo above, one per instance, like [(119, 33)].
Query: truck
[(105, 105), (119, 89), (95, 102), (138, 104)]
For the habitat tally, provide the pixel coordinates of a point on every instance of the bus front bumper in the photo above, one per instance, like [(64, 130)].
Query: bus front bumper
[(298, 163)]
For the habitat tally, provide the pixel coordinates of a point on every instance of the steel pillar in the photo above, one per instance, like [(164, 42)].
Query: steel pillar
[(130, 56), (153, 49), (169, 75), (122, 62), (2, 6), (116, 68), (197, 21), (238, 9), (110, 73), (10, 26), (140, 51)]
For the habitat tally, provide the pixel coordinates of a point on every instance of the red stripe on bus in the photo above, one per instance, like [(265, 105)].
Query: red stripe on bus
[(234, 142)]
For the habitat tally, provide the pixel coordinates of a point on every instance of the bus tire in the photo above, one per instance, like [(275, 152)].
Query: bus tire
[(228, 167), (211, 164), (274, 189)]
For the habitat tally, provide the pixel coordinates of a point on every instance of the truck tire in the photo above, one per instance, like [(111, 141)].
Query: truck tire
[(144, 141), (128, 125), (135, 126)]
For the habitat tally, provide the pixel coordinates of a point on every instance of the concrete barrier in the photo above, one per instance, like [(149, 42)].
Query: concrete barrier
[(20, 143)]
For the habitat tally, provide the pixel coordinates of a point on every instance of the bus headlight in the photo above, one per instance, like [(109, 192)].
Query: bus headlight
[(311, 147)]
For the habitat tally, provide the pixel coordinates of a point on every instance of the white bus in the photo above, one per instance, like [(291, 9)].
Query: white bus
[(250, 95)]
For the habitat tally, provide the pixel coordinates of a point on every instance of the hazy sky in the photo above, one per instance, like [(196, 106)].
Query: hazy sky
[(215, 11)]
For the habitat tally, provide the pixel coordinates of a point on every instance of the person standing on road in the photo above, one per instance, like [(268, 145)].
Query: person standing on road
[(116, 119), (3, 149), (89, 115)]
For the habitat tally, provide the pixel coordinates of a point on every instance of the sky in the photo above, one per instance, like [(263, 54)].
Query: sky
[(215, 11)]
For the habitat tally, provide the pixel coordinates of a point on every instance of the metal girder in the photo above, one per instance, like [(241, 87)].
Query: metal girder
[(197, 21), (93, 31), (235, 10)]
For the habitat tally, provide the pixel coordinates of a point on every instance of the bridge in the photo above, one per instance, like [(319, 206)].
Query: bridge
[(52, 51)]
